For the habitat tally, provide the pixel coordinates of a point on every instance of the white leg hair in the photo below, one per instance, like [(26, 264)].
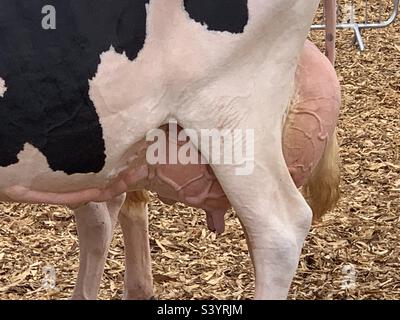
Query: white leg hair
[(276, 219), (95, 225), (271, 209)]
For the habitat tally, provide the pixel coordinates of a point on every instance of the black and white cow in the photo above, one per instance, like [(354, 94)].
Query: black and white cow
[(82, 81)]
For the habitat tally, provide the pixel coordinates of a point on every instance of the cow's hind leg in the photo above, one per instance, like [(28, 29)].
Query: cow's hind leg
[(95, 224), (273, 212), (134, 223)]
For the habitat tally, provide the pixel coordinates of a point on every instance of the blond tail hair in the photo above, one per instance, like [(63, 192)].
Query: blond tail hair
[(322, 188)]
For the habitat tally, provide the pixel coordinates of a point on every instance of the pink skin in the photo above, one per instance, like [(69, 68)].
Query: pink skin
[(311, 120), (313, 114), (192, 184), (135, 228)]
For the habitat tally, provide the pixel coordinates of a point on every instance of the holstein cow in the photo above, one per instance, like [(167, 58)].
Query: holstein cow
[(311, 157), (78, 95)]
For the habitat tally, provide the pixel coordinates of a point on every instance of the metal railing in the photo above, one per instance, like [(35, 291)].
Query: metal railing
[(369, 21)]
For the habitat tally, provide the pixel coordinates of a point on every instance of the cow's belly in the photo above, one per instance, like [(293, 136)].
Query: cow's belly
[(135, 92)]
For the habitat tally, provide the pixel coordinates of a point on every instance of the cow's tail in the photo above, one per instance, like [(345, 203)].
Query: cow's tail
[(322, 188)]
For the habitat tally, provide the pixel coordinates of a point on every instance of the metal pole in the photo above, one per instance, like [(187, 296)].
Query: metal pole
[(330, 31)]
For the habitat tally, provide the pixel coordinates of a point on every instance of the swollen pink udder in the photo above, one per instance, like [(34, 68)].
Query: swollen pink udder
[(192, 184), (313, 114)]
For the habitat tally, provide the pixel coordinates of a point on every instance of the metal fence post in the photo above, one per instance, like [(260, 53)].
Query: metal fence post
[(358, 24)]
